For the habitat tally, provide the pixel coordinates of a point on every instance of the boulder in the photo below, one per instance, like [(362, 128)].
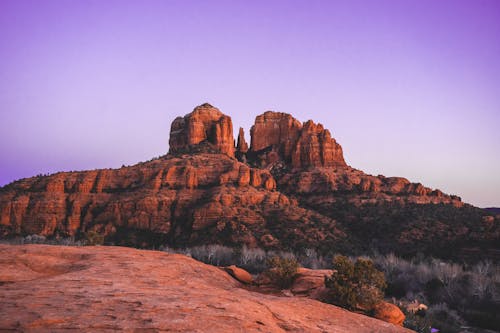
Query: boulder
[(389, 312), (239, 274), (310, 282)]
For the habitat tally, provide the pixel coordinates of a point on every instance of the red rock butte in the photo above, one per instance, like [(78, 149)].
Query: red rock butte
[(205, 123), (274, 136), (290, 188)]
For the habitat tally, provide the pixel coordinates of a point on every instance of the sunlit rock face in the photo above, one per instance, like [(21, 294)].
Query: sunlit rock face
[(105, 288), (205, 123), (280, 136), (242, 146), (276, 130), (290, 189)]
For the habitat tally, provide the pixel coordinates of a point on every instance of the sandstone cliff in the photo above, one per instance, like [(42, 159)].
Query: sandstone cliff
[(277, 135), (290, 189), (204, 124), (180, 198)]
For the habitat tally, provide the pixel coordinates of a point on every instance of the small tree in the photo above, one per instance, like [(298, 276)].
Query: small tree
[(356, 285), (282, 271)]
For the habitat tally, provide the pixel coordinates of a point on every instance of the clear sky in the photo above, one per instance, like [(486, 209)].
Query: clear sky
[(408, 87)]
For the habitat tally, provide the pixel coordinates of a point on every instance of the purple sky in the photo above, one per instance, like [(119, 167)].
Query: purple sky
[(408, 88)]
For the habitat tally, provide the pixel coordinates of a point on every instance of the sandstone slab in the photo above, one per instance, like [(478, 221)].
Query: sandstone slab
[(106, 289)]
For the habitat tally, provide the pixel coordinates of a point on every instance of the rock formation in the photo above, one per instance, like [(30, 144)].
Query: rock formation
[(204, 124), (280, 136), (316, 148), (311, 283), (290, 189), (242, 146), (277, 130), (113, 289)]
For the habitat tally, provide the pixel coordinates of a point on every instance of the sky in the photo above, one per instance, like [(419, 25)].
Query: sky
[(409, 88)]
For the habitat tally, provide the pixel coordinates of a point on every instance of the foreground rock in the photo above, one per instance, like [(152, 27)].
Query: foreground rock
[(104, 289), (239, 274), (389, 312), (310, 282)]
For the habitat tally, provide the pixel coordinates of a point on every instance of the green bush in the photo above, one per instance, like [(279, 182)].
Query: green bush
[(356, 285), (93, 238), (282, 271)]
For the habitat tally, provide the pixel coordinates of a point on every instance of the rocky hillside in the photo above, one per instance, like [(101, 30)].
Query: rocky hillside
[(291, 188), (106, 289)]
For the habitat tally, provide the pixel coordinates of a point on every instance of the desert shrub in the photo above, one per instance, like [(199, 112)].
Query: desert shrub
[(457, 290), (356, 285), (282, 271), (252, 259), (93, 238), (311, 259), (434, 290), (213, 254), (35, 239), (216, 254), (483, 314), (439, 317), (445, 319), (418, 323), (38, 239)]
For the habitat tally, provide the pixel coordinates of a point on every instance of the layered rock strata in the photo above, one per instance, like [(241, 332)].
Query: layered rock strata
[(290, 189), (277, 135), (204, 124), (179, 197)]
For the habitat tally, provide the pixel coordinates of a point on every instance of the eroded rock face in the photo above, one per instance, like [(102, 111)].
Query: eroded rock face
[(205, 123), (292, 188), (316, 148), (318, 187), (277, 130), (242, 146), (187, 199), (279, 136), (96, 289)]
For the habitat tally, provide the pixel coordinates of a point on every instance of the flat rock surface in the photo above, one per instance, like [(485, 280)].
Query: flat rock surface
[(105, 289)]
